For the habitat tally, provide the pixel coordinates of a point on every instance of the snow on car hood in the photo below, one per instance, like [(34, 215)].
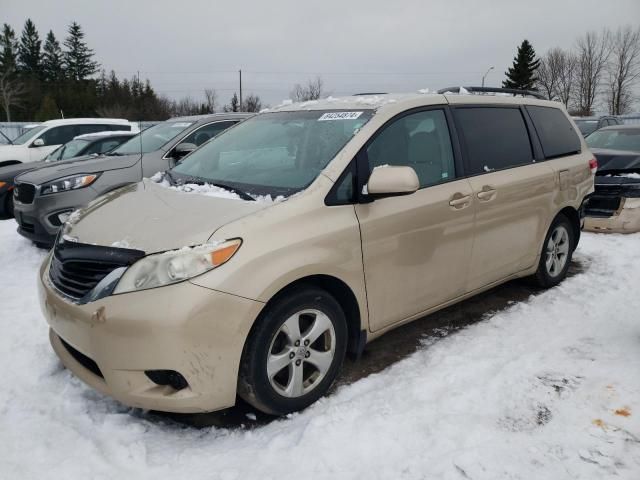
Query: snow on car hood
[(82, 165), (149, 217)]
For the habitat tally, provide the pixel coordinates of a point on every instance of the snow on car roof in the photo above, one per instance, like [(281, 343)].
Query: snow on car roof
[(73, 121)]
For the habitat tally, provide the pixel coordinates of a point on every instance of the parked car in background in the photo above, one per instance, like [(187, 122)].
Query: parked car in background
[(82, 147), (44, 198), (243, 269), (38, 142), (588, 125), (614, 207)]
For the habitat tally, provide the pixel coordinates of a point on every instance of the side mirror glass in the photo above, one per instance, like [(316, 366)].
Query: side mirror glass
[(38, 142), (388, 181), (183, 149)]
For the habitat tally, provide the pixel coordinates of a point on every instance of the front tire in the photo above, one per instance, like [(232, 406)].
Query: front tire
[(557, 251), (294, 352)]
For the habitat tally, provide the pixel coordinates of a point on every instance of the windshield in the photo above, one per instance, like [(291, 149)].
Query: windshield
[(276, 153), (68, 150), (587, 126), (627, 139), (28, 135), (152, 138)]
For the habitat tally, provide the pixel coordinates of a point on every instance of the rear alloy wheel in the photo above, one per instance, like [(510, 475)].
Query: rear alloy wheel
[(556, 253), (294, 352)]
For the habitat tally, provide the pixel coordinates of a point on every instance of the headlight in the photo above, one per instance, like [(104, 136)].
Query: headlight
[(175, 266), (68, 183)]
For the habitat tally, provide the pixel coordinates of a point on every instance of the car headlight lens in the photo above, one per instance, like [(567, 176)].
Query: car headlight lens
[(175, 266), (68, 183)]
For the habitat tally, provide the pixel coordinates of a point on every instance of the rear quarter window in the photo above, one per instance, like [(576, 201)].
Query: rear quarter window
[(556, 134), (494, 138)]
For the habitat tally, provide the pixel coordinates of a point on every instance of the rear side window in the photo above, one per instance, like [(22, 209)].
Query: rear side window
[(555, 132), (494, 137)]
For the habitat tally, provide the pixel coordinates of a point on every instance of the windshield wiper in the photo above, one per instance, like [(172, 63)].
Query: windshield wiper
[(172, 179), (241, 193), (114, 154)]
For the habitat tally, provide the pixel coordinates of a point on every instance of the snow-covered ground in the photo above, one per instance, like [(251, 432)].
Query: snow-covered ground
[(545, 389)]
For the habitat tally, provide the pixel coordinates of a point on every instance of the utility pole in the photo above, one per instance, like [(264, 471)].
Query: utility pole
[(240, 106)]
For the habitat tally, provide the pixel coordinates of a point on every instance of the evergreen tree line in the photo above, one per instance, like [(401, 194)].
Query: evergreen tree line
[(39, 82), (600, 73)]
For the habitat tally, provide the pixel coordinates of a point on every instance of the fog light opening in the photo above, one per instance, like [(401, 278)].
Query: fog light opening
[(58, 219), (167, 377)]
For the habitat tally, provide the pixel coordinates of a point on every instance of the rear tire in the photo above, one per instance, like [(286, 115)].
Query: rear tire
[(294, 352), (556, 254)]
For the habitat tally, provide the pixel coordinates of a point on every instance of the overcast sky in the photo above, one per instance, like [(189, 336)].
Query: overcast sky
[(184, 46)]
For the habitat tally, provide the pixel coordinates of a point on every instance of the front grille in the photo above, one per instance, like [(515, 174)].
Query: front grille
[(82, 359), (24, 192), (76, 268)]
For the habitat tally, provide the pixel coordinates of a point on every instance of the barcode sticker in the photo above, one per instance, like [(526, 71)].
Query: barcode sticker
[(339, 116)]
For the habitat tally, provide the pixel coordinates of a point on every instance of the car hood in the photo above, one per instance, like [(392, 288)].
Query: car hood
[(616, 160), (153, 218), (56, 170), (9, 173), (8, 152)]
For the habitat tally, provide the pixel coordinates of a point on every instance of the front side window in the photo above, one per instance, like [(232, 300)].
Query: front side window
[(153, 138), (276, 153), (419, 140), (495, 138), (59, 135), (207, 132), (555, 132), (616, 139)]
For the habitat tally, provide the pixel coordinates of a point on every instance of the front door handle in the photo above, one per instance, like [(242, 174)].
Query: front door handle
[(460, 201), (487, 193)]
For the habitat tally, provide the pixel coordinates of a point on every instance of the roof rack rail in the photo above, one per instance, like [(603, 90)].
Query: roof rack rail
[(369, 93), (512, 91)]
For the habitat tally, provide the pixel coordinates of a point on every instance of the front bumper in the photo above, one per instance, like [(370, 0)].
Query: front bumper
[(35, 219), (195, 331), (626, 219)]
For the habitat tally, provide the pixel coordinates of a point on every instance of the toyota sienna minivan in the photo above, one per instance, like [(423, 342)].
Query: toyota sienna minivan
[(303, 233)]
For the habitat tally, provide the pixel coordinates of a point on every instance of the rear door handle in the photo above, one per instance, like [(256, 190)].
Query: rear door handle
[(460, 202), (486, 194)]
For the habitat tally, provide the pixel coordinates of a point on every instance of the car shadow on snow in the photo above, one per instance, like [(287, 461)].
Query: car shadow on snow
[(384, 351)]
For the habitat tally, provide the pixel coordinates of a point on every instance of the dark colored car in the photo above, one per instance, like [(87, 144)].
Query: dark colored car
[(588, 125), (80, 148), (614, 206), (44, 199)]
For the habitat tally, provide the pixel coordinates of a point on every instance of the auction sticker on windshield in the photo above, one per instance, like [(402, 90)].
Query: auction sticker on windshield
[(339, 116)]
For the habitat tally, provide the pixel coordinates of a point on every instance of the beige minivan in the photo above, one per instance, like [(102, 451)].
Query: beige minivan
[(301, 234)]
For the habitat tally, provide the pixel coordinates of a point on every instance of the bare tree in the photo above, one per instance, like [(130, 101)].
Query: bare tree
[(567, 70), (252, 104), (211, 99), (593, 51), (188, 106), (623, 69), (313, 90), (11, 92), (548, 73)]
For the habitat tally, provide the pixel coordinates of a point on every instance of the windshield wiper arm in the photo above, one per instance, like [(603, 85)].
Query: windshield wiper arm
[(241, 193)]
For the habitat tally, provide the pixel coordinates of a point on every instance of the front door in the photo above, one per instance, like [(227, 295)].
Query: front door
[(416, 248)]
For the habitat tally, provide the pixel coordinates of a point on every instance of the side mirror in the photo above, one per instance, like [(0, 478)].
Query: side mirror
[(184, 149), (390, 181), (38, 142)]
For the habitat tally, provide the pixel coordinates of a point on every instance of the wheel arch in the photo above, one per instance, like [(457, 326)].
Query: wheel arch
[(343, 294), (574, 218)]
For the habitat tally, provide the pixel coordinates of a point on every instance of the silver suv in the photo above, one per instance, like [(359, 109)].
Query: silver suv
[(44, 198)]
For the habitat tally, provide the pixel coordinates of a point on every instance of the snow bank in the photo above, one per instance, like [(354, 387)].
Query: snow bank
[(545, 389)]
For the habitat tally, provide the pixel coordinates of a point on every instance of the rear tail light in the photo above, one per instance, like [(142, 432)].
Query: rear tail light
[(593, 165)]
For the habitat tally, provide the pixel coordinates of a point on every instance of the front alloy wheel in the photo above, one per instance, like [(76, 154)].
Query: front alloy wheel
[(294, 351)]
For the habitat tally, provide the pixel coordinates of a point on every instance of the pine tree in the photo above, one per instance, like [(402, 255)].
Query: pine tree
[(78, 58), (29, 55), (9, 49), (52, 60), (522, 74)]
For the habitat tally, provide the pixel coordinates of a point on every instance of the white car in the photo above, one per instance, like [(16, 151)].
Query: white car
[(37, 142)]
